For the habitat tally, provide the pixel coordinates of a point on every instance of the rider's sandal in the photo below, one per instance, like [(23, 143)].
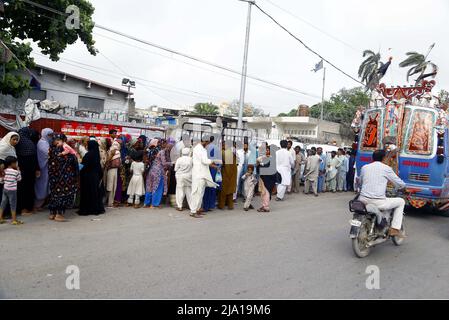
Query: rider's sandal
[(17, 223)]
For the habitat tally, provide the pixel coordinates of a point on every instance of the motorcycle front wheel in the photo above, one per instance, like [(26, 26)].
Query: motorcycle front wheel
[(360, 244)]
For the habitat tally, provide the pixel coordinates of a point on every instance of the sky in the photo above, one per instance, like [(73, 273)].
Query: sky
[(214, 30)]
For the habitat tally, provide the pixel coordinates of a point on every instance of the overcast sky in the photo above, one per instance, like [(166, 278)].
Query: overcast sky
[(214, 30)]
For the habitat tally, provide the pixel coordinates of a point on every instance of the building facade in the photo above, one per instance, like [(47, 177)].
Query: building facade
[(74, 92), (304, 129)]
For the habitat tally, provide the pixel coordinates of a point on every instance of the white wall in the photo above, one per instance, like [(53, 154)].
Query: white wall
[(68, 92)]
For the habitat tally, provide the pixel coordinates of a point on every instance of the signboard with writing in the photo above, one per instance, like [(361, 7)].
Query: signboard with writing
[(79, 129)]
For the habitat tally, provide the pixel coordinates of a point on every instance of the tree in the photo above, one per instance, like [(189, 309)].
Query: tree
[(248, 110), (206, 109), (291, 113), (52, 31), (418, 65), (342, 106)]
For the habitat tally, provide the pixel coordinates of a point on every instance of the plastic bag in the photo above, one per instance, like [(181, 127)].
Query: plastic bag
[(218, 177)]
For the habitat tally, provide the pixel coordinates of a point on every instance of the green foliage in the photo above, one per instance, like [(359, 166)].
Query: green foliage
[(291, 113), (10, 81), (47, 29), (368, 70), (248, 110), (206, 109), (417, 63), (342, 106)]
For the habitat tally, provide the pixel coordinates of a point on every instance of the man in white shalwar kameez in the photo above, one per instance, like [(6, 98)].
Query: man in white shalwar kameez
[(284, 164), (183, 169), (201, 177)]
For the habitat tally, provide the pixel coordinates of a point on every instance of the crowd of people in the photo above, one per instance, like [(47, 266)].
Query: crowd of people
[(47, 170)]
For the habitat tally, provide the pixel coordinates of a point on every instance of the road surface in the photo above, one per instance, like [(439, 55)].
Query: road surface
[(300, 250)]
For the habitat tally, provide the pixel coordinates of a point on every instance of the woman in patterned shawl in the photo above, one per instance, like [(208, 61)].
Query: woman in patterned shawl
[(63, 172), (156, 180)]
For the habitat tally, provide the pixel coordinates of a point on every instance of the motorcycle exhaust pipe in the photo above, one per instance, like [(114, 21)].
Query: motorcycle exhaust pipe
[(376, 242)]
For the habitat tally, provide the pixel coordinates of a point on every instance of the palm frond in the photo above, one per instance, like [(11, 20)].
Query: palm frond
[(434, 66), (411, 61), (414, 58), (369, 65), (368, 73), (410, 72), (360, 72), (368, 52), (365, 64), (413, 53)]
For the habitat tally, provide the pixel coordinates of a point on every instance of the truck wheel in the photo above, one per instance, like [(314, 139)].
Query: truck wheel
[(444, 213)]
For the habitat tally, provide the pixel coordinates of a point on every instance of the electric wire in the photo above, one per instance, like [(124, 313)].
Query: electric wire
[(200, 60), (305, 45)]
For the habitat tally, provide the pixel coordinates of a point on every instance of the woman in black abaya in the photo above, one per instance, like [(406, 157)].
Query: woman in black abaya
[(27, 156), (92, 191)]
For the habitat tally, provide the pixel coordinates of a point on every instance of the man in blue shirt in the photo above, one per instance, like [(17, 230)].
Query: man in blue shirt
[(322, 174)]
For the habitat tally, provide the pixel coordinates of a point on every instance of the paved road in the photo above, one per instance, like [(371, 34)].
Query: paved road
[(300, 250)]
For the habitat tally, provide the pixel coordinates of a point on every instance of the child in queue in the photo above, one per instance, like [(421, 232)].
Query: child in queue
[(10, 178)]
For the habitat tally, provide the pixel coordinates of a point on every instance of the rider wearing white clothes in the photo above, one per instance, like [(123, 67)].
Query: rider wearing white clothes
[(373, 179)]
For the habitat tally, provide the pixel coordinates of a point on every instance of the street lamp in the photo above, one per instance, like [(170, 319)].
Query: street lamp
[(130, 84), (245, 65)]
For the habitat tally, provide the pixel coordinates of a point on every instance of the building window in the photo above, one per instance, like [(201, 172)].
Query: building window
[(37, 95), (90, 104), (314, 132)]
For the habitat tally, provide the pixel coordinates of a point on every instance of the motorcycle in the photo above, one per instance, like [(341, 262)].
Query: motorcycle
[(369, 227)]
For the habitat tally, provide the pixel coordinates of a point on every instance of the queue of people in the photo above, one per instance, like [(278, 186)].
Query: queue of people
[(47, 170)]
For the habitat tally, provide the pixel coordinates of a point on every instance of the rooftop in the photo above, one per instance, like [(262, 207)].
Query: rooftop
[(39, 66)]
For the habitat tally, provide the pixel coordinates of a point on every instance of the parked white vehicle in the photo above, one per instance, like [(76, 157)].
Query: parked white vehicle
[(326, 148)]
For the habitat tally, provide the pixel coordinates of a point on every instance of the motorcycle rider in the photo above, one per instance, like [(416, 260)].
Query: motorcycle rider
[(373, 179)]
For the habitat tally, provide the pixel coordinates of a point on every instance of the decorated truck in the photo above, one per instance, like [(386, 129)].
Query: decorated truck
[(411, 125)]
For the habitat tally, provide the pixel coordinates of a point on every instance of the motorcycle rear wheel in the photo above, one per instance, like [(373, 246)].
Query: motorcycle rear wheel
[(397, 240), (359, 244)]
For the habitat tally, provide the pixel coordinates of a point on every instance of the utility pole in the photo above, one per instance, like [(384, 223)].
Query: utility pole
[(322, 95), (245, 65)]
